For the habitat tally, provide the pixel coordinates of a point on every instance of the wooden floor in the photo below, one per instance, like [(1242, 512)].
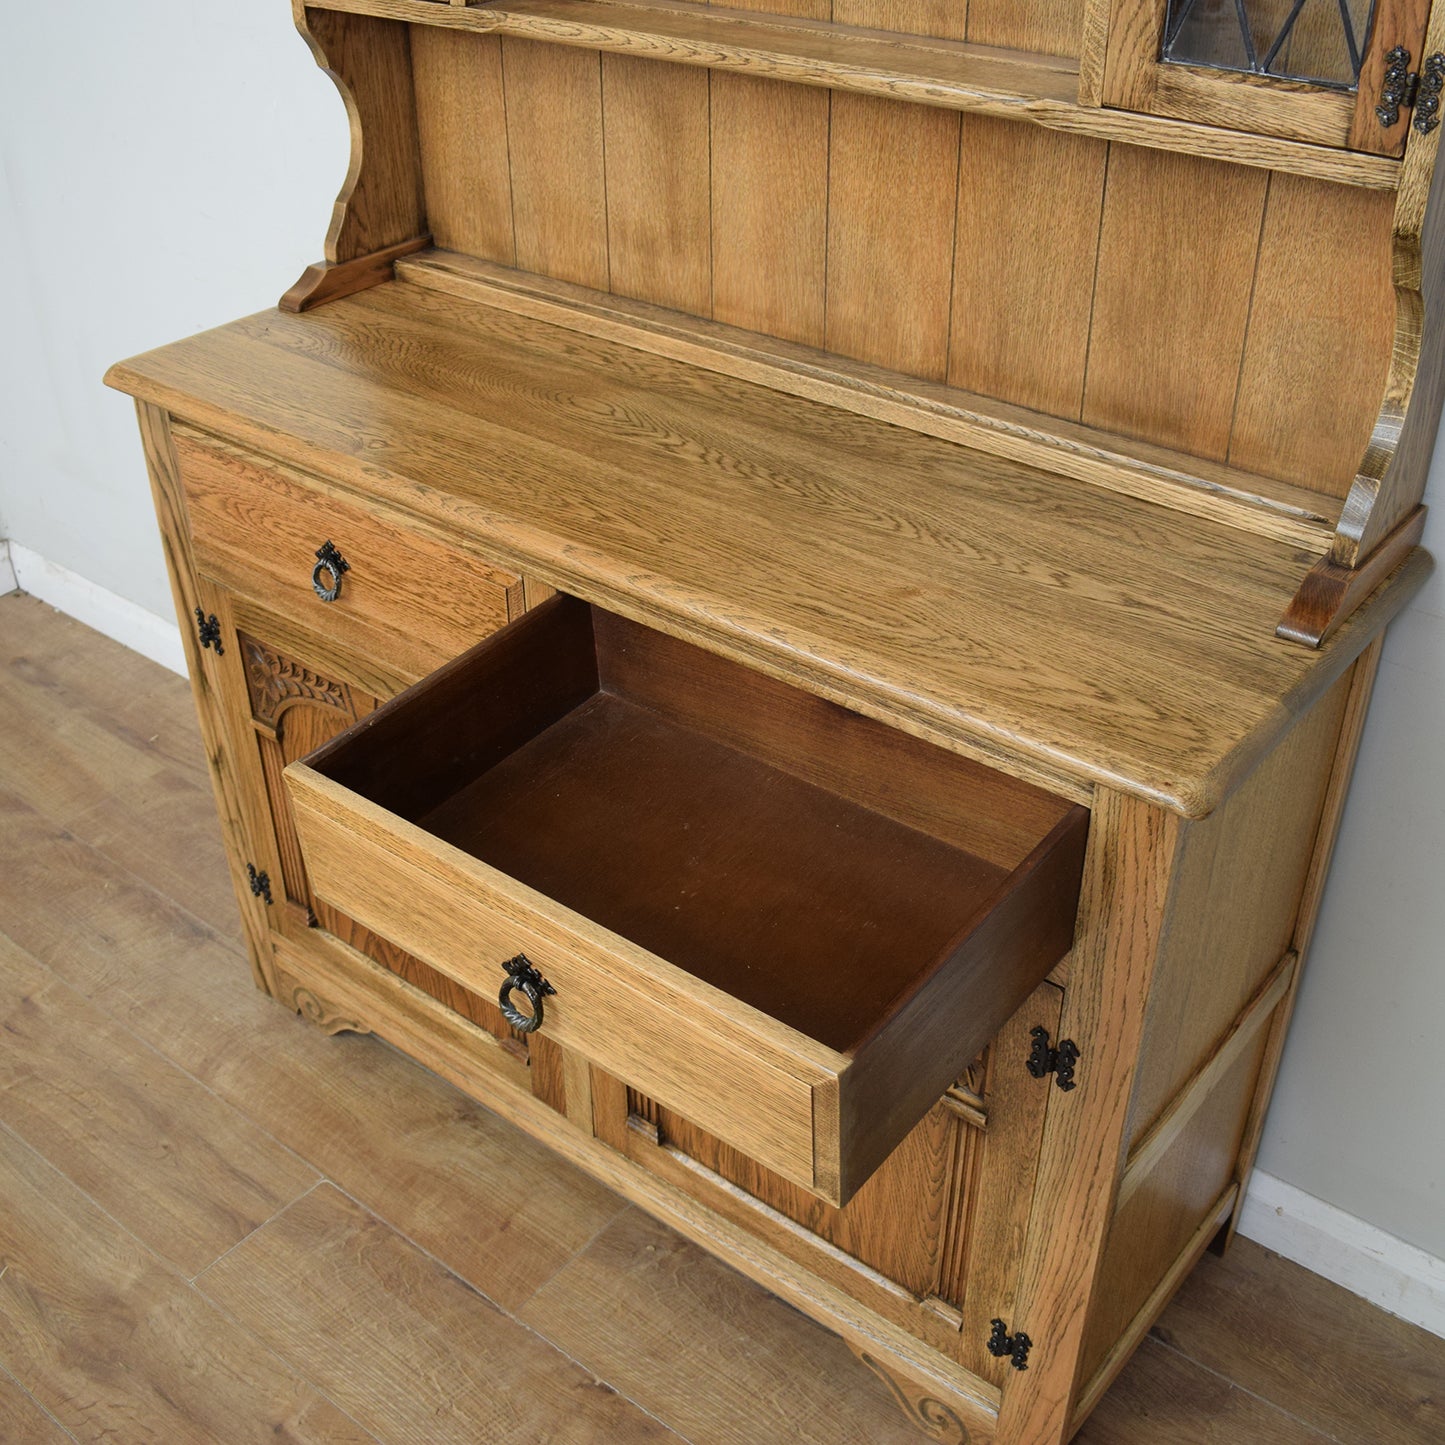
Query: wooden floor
[(217, 1224)]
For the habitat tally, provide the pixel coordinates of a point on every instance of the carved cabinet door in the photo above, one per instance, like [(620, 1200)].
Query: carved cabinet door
[(279, 702)]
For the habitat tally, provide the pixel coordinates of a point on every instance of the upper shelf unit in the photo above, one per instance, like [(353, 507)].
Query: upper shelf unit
[(953, 75)]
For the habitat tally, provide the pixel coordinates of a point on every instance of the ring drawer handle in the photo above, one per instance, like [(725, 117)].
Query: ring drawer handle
[(521, 975), (326, 575)]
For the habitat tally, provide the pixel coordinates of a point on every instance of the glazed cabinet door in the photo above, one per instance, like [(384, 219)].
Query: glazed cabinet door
[(1328, 72)]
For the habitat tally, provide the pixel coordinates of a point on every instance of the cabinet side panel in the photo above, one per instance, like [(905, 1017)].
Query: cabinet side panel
[(1164, 1213), (1241, 876)]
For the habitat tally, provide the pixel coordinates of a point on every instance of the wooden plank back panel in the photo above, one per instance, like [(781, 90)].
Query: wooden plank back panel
[(554, 138), (1320, 331), (946, 19), (1186, 302), (1046, 27), (1025, 249), (655, 132), (462, 131), (1176, 253), (892, 173), (769, 206)]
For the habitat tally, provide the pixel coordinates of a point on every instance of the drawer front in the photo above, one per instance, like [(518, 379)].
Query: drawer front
[(779, 962), (406, 600), (630, 1013)]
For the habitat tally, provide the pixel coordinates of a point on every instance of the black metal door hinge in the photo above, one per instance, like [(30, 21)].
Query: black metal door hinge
[(1060, 1061), (260, 882), (1405, 89), (1014, 1348), (208, 629)]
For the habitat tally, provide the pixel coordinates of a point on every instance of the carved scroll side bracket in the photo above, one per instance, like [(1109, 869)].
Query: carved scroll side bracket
[(380, 213), (1381, 520)]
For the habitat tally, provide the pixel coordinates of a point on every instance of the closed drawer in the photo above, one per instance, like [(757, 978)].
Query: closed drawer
[(407, 600), (786, 922)]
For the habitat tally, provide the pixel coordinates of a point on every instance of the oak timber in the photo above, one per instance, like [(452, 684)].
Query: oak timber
[(1014, 568), (1036, 88)]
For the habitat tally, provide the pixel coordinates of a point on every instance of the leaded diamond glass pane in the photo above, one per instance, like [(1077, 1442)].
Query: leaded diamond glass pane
[(1319, 41)]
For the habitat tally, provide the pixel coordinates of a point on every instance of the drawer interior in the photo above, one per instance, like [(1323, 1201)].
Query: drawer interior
[(805, 860)]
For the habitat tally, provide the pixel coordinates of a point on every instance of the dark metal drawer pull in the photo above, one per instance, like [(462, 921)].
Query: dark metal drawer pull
[(521, 975), (331, 566)]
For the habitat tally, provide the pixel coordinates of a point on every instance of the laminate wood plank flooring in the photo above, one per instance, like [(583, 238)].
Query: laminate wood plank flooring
[(219, 1224)]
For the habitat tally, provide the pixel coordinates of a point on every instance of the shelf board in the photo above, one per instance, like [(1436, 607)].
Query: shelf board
[(953, 75)]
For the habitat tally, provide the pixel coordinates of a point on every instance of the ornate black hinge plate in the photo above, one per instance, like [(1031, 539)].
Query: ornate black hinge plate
[(1060, 1061), (208, 629), (260, 882), (1014, 1348), (1427, 102), (1404, 89)]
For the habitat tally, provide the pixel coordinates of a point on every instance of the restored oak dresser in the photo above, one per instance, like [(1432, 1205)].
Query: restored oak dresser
[(792, 606)]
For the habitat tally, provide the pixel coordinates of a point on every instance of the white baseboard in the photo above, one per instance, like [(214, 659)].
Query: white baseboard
[(108, 613), (7, 571), (1388, 1272)]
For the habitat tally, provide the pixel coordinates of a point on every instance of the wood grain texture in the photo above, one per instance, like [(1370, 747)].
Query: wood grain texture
[(108, 1340), (1394, 470), (938, 73), (462, 133), (1128, 877), (413, 1152), (381, 203), (1024, 193), (658, 197), (1165, 1209), (331, 280), (1321, 324), (769, 206), (1167, 478), (1361, 688), (76, 1086), (939, 18), (1176, 250), (554, 109), (639, 1292), (1046, 27), (1346, 1370), (407, 599), (412, 1351), (888, 160), (1396, 22), (1255, 851), (1173, 699), (1162, 1391), (22, 1418)]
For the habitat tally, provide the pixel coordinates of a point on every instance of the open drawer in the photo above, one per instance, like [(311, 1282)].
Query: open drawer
[(789, 923)]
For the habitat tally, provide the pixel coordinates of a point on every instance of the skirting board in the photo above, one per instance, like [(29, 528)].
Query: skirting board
[(105, 611), (1398, 1277), (1347, 1251)]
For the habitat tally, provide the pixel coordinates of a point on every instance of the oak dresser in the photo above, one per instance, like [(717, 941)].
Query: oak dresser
[(792, 605)]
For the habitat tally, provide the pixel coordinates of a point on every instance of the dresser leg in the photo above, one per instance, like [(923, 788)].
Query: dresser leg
[(930, 1414), (314, 1009)]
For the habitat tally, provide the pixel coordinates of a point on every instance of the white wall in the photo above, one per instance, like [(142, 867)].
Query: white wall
[(169, 166)]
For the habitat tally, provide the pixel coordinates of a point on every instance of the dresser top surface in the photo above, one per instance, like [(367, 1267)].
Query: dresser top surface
[(1072, 635)]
